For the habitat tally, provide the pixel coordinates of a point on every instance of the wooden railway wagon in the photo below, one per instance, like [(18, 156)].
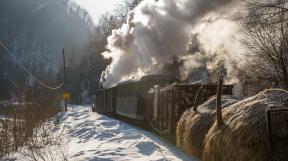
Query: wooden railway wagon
[(165, 106), (127, 99), (130, 97), (104, 101)]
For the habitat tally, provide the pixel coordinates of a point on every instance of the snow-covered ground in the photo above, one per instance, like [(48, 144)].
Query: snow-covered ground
[(96, 137), (91, 136)]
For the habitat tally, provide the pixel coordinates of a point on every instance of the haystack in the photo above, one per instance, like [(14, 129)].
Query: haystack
[(243, 137), (194, 125)]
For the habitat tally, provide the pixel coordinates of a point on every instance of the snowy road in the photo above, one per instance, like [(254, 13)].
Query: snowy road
[(91, 136)]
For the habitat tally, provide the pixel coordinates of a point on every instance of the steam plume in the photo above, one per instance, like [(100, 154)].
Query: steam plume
[(191, 37)]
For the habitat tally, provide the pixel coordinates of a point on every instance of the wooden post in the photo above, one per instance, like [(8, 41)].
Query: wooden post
[(172, 119), (218, 103), (65, 82), (269, 131), (197, 97)]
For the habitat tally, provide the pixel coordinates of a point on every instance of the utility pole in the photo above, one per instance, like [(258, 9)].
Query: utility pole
[(65, 94)]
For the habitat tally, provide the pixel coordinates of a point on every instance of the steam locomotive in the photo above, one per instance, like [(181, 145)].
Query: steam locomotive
[(155, 99)]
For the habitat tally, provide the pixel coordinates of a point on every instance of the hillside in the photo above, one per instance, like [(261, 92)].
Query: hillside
[(36, 32)]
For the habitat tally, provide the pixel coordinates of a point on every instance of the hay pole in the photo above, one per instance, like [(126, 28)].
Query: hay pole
[(197, 97), (218, 103)]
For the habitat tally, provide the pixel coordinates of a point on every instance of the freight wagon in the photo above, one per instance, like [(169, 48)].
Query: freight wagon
[(104, 101), (165, 106), (127, 99)]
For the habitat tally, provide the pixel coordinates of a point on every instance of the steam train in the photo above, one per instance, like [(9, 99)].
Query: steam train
[(155, 99)]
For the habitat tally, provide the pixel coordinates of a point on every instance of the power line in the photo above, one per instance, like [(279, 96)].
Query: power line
[(28, 72)]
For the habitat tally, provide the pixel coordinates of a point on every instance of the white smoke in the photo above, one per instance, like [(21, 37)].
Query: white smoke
[(198, 33)]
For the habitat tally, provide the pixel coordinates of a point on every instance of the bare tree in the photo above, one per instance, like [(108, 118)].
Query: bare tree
[(266, 31)]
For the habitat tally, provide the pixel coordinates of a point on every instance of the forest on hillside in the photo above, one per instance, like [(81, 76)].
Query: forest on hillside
[(37, 31)]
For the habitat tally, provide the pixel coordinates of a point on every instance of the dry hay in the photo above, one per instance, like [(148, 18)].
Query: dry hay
[(243, 137), (193, 126)]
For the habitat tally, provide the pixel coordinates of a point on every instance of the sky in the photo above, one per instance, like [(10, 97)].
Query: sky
[(98, 7)]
